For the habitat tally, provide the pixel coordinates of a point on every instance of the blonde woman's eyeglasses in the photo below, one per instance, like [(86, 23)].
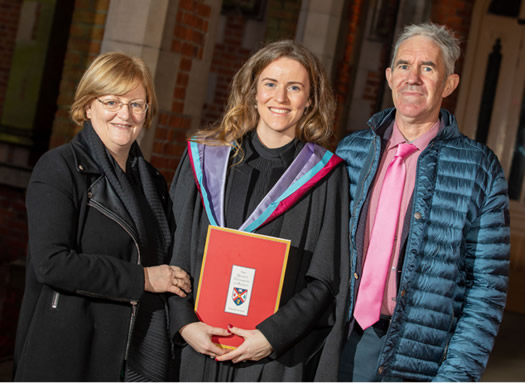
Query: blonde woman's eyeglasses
[(136, 107)]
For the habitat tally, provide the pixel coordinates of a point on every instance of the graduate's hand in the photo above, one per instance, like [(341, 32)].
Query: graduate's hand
[(255, 346), (166, 279), (198, 335)]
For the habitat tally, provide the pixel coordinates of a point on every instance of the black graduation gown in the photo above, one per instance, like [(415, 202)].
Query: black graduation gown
[(307, 331)]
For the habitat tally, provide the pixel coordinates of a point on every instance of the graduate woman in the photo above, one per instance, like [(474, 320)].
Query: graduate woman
[(268, 166)]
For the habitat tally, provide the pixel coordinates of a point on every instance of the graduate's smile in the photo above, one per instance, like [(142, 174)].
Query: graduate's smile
[(283, 92)]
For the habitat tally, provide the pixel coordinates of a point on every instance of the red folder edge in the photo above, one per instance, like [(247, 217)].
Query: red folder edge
[(215, 277)]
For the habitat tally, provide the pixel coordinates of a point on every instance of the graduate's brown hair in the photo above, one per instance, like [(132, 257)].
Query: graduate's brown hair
[(241, 115)]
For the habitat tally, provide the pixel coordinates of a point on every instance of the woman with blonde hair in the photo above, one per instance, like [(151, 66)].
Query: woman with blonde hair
[(100, 227), (268, 166)]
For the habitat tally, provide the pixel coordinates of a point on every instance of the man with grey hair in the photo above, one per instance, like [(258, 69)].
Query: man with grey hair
[(429, 229)]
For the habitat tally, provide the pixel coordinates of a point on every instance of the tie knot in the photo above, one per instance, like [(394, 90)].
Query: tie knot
[(404, 150)]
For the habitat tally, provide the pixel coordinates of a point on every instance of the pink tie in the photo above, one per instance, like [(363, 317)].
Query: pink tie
[(377, 262)]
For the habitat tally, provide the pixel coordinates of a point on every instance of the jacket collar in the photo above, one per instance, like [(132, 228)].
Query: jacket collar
[(84, 162), (380, 122), (101, 190)]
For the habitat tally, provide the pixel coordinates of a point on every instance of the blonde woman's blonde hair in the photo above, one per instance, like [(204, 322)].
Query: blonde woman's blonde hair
[(241, 114), (113, 73)]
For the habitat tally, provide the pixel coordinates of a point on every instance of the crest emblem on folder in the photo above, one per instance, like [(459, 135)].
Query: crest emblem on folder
[(239, 295)]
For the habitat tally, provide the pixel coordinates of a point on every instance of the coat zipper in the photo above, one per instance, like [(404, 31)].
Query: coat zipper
[(54, 301), (134, 304)]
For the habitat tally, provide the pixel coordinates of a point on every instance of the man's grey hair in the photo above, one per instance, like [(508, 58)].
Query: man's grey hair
[(440, 34)]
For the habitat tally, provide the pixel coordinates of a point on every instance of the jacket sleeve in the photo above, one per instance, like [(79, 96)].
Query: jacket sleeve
[(487, 249), (54, 210)]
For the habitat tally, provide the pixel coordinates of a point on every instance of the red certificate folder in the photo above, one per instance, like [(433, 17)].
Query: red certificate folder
[(241, 280)]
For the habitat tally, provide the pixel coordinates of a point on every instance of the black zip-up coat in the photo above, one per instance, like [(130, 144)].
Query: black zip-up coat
[(83, 277)]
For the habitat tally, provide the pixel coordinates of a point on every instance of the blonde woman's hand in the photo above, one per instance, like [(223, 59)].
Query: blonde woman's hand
[(166, 279)]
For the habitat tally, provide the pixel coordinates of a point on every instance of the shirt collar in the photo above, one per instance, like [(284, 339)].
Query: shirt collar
[(421, 142)]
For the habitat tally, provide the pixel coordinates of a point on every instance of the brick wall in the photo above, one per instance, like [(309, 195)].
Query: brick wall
[(346, 65), (376, 81), (86, 32), (13, 231), (9, 15), (366, 54), (189, 36), (456, 14), (231, 53), (228, 57), (375, 94), (13, 242), (281, 19), (13, 224)]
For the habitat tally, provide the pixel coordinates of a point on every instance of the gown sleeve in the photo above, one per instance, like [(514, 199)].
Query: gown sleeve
[(327, 275), (185, 199), (297, 317)]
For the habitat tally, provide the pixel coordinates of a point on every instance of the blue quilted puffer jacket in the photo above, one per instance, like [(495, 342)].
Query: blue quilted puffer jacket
[(452, 289)]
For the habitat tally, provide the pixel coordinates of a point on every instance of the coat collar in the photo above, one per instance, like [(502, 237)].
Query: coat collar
[(100, 191), (84, 162), (380, 122)]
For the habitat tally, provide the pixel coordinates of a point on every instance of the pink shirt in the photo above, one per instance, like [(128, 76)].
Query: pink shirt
[(389, 297)]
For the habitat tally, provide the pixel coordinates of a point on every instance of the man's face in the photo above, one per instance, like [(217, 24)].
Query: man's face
[(418, 80)]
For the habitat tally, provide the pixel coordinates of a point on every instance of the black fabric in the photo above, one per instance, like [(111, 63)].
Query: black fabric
[(127, 193), (149, 351), (253, 178), (307, 330)]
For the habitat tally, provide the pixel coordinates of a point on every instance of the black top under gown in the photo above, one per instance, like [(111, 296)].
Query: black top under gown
[(305, 316), (253, 178)]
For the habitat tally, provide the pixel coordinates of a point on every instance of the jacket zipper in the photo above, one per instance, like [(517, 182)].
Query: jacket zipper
[(134, 304), (414, 193), (445, 350), (358, 200), (396, 309), (356, 219), (54, 301)]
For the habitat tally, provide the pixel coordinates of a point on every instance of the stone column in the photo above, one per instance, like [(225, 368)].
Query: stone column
[(318, 28)]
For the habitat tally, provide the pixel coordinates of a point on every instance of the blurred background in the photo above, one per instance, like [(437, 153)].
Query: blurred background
[(194, 47)]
